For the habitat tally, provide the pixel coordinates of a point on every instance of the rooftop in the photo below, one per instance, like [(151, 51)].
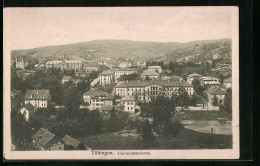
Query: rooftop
[(93, 92), (107, 72), (229, 80), (215, 91), (128, 98), (138, 83), (43, 136), (154, 67), (194, 75), (71, 141), (66, 77), (150, 73)]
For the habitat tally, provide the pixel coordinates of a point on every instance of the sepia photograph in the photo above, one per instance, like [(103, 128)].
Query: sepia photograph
[(121, 83)]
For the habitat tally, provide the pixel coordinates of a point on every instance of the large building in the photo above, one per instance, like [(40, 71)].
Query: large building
[(91, 66), (76, 65), (106, 77), (38, 98), (97, 98), (20, 63), (155, 68), (146, 90), (122, 71), (216, 92), (209, 82)]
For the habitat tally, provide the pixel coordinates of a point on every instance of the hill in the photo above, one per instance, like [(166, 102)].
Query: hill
[(100, 49)]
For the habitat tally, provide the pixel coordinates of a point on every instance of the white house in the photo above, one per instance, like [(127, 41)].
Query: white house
[(128, 103), (155, 68), (125, 64), (212, 92), (27, 110), (209, 82), (38, 98), (106, 77)]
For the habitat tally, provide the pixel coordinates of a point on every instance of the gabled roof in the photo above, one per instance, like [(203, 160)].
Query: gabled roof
[(37, 94), (93, 92), (43, 136), (71, 141), (215, 91), (29, 106), (150, 73), (107, 72)]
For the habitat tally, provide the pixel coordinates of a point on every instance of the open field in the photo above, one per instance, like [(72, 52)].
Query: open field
[(187, 139), (205, 115)]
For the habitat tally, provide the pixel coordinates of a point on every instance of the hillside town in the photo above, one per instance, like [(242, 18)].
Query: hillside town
[(57, 103)]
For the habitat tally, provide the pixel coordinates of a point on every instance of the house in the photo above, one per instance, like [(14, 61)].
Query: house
[(118, 72), (212, 92), (65, 79), (45, 140), (27, 110), (147, 89), (125, 64), (216, 56), (38, 98), (97, 98), (91, 66), (128, 103), (73, 144), (193, 76), (228, 83), (106, 77), (155, 68), (172, 78), (75, 81), (151, 74), (209, 82)]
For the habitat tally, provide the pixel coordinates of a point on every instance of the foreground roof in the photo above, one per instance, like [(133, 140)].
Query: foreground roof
[(71, 141), (43, 136)]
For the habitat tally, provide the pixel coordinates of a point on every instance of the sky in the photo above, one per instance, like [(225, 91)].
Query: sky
[(26, 28)]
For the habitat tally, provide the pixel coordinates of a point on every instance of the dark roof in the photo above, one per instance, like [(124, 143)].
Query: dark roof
[(43, 136), (107, 72), (153, 82), (71, 141), (37, 94), (93, 92), (29, 106), (150, 73), (215, 91)]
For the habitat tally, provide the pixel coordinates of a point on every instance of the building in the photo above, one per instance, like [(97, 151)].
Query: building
[(27, 110), (106, 77), (20, 63), (125, 64), (73, 144), (155, 68), (172, 78), (38, 98), (45, 140), (212, 92), (94, 82), (91, 66), (65, 79), (128, 103), (228, 83), (97, 98), (209, 82), (150, 74), (193, 76), (216, 56), (146, 90), (76, 65), (122, 71)]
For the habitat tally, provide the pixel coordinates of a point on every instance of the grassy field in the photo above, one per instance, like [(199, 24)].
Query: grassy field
[(205, 115), (188, 139)]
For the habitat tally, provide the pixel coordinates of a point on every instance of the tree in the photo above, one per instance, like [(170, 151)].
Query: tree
[(72, 99), (204, 99), (228, 101), (193, 100), (112, 124), (82, 86), (182, 99), (215, 101), (147, 133)]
